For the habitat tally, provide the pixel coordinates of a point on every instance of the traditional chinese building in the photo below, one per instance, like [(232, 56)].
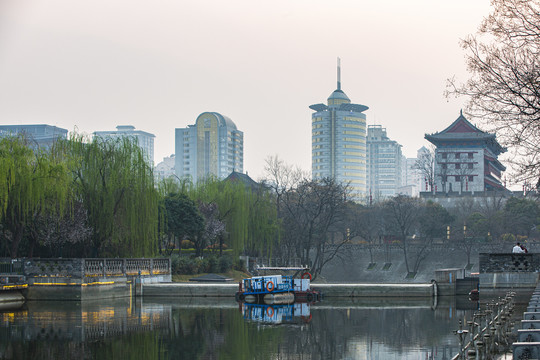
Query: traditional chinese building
[(466, 159)]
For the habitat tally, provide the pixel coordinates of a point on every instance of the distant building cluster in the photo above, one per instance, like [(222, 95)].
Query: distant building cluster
[(343, 147), (465, 158), (39, 135)]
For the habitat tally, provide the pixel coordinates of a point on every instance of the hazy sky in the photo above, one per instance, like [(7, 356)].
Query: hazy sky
[(93, 65)]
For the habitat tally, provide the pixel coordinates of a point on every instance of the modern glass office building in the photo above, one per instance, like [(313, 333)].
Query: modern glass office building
[(211, 147), (338, 141)]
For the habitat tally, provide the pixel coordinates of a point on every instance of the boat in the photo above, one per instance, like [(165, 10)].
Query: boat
[(277, 289)]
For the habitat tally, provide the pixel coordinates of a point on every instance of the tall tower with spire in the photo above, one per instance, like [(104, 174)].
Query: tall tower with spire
[(338, 141)]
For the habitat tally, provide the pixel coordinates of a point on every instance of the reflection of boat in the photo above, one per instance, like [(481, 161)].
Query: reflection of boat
[(297, 313), (277, 289)]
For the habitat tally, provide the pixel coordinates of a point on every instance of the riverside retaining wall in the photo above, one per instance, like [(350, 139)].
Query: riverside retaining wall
[(328, 290), (354, 264)]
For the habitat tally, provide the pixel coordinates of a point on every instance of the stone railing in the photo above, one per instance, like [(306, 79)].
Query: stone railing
[(509, 262), (82, 268), (11, 266)]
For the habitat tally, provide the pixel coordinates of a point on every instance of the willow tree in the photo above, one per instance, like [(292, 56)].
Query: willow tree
[(263, 223), (249, 215), (31, 182), (116, 186), (231, 205)]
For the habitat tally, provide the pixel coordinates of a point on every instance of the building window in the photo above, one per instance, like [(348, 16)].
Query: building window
[(457, 178), (457, 155), (444, 155), (458, 166), (470, 166), (470, 155), (471, 178)]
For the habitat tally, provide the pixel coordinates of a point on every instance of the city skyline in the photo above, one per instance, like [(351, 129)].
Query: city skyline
[(157, 66)]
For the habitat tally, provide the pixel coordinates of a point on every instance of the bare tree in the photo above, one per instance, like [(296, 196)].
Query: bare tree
[(462, 213), (504, 89), (401, 219), (282, 179), (310, 214), (425, 163), (366, 222)]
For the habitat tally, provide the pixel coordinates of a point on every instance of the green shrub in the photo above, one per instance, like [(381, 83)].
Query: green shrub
[(211, 264), (187, 244), (184, 265), (187, 265), (239, 265), (224, 264), (508, 238)]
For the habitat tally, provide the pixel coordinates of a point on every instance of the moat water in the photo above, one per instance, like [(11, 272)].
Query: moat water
[(202, 328)]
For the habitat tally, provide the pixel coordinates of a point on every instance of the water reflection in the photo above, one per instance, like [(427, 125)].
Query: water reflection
[(223, 329), (297, 313)]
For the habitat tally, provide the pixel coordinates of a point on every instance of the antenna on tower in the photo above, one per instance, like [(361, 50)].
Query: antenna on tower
[(338, 73)]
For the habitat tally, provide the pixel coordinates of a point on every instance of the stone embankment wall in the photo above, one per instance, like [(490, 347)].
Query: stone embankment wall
[(507, 270), (353, 265)]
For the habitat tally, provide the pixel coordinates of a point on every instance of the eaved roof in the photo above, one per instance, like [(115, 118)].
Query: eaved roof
[(463, 130), (244, 178)]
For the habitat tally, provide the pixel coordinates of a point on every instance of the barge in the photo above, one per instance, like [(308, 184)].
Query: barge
[(277, 289)]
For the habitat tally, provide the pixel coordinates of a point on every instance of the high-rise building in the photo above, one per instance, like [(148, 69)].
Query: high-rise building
[(211, 147), (144, 140), (164, 169), (338, 141), (40, 136), (384, 164), (466, 159), (411, 179)]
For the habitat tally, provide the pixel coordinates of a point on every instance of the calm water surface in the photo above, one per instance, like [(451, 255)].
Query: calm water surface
[(222, 329)]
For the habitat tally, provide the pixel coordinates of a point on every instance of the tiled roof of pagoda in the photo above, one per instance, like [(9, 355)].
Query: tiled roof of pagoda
[(461, 130)]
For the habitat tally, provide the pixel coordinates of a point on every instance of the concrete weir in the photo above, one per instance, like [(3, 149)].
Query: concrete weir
[(328, 290)]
